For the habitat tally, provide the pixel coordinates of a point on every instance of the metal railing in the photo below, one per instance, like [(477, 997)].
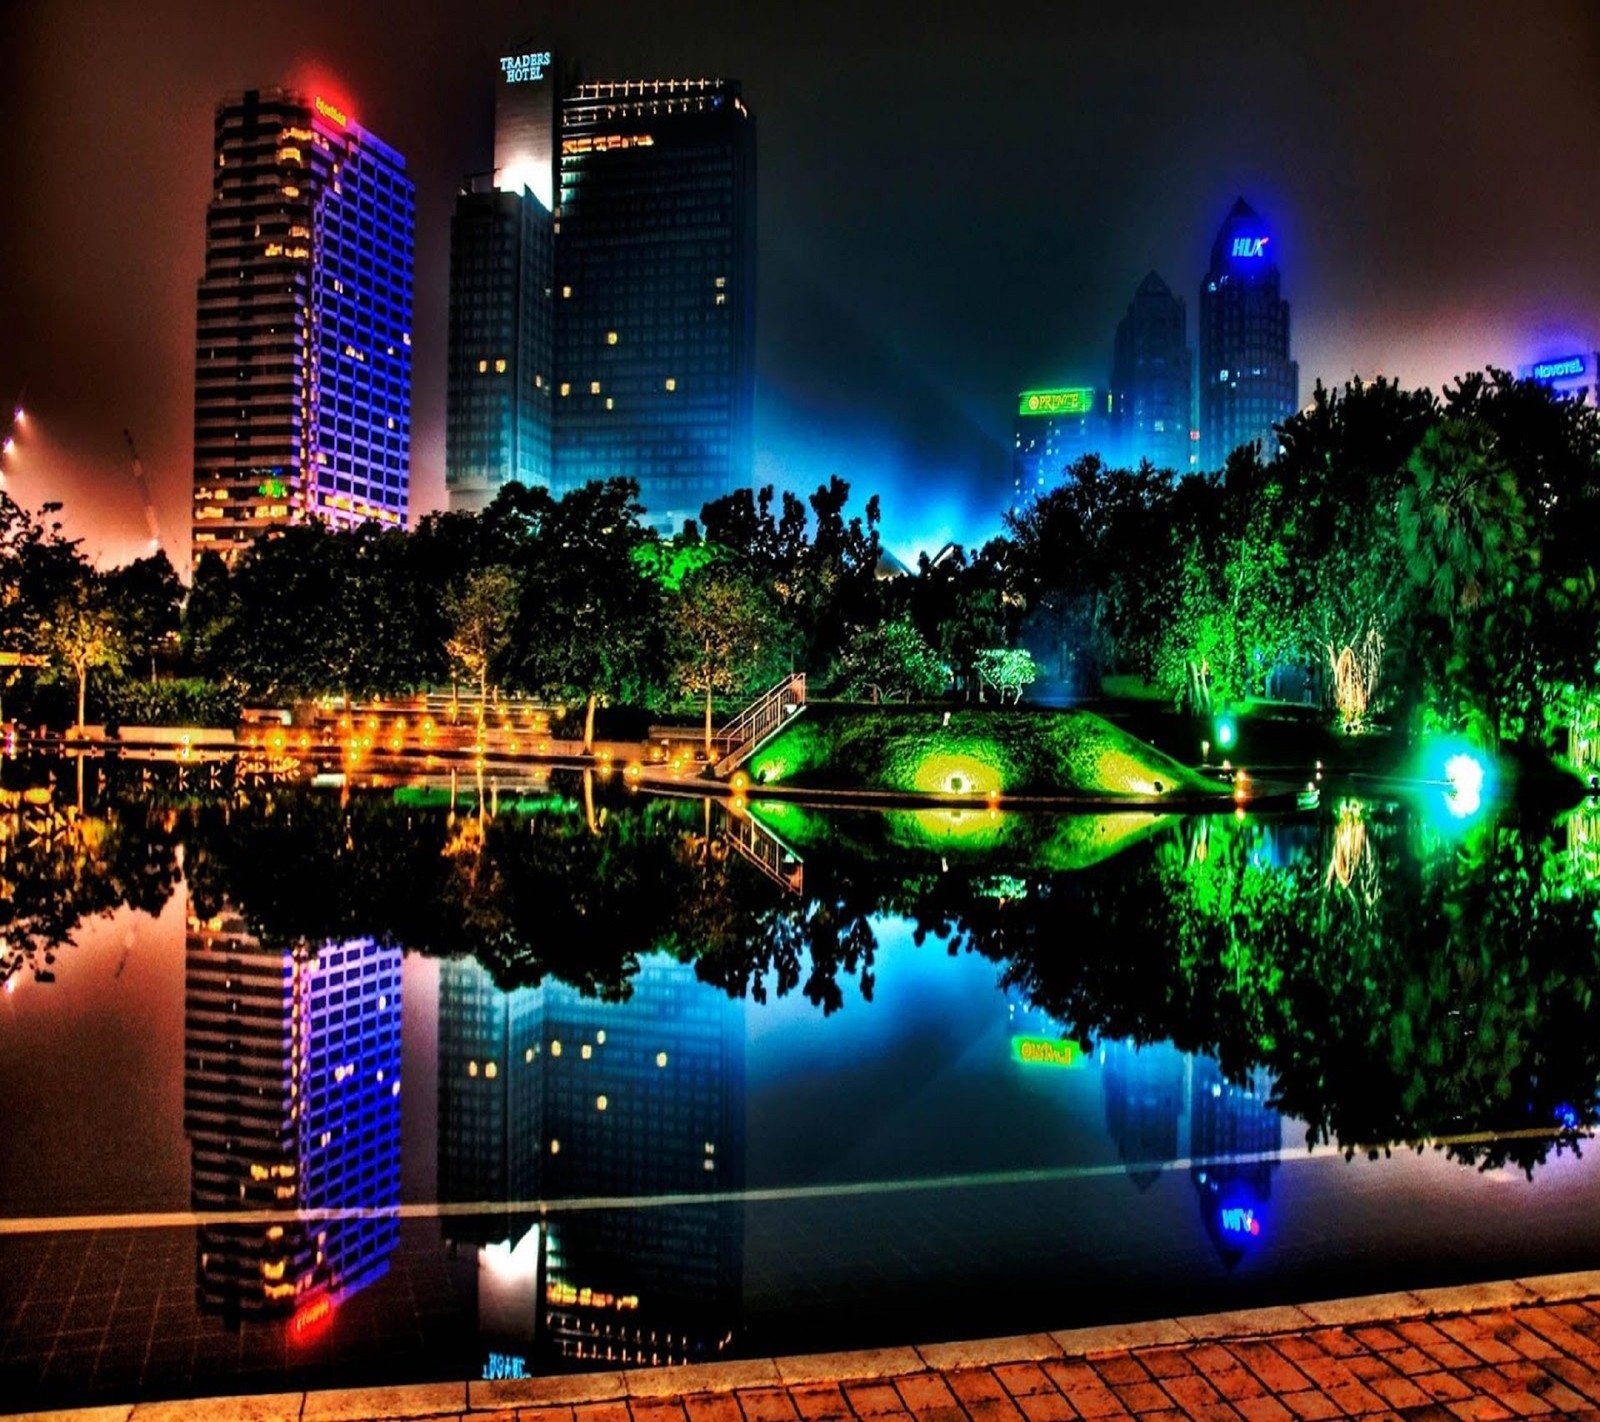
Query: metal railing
[(755, 842), (760, 719)]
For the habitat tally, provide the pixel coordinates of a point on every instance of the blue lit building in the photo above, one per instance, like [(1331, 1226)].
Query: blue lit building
[(303, 350), (291, 1103), (1152, 380), (1142, 1089), (1052, 429), (603, 292), (1247, 381), (1234, 1140)]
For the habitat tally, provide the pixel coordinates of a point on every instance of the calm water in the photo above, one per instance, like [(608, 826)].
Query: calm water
[(309, 1087)]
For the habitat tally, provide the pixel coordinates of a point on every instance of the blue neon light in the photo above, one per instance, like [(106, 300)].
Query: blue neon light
[(1240, 1220), (1249, 246), (1560, 369)]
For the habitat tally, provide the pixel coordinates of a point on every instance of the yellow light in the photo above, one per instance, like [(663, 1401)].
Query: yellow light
[(600, 1103)]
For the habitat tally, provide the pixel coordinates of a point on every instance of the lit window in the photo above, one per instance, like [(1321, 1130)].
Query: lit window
[(721, 283), (661, 1059), (472, 1068), (600, 1103), (500, 366), (491, 1070), (722, 298), (586, 1052), (566, 387), (672, 383), (600, 1037), (483, 367), (555, 1048), (527, 1056), (566, 291), (594, 387), (538, 382), (555, 1147), (610, 403)]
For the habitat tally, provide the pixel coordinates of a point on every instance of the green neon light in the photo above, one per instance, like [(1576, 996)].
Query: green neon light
[(1072, 400), (272, 489), (1046, 1052)]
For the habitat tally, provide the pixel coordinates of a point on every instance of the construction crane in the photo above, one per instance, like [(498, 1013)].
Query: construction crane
[(144, 492)]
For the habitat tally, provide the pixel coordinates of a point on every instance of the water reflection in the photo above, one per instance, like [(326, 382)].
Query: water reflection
[(545, 1094), (291, 1106)]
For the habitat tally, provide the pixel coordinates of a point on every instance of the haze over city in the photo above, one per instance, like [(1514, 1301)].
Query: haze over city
[(953, 206)]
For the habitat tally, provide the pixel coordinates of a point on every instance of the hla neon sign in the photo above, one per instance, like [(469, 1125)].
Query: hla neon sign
[(1559, 369), (1250, 246), (524, 68)]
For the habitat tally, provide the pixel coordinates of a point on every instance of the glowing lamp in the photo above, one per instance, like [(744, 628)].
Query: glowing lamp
[(1465, 774), (1227, 732)]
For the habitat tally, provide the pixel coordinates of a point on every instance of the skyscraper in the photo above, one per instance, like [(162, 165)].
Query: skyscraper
[(1053, 428), (1247, 381), (1152, 379), (303, 350), (641, 335)]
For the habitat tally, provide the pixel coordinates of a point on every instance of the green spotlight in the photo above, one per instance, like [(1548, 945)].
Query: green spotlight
[(1227, 733)]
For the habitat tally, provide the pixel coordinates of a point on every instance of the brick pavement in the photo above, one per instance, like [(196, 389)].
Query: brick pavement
[(1526, 1348)]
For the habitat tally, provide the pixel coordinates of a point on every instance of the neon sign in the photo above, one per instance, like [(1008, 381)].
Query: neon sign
[(328, 111), (1239, 1220), (311, 1317), (1559, 369), (504, 1365), (524, 68), (1046, 1051), (1075, 400), (1250, 246)]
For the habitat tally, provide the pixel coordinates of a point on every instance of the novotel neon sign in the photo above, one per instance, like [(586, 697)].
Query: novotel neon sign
[(1078, 400), (1249, 246), (329, 111), (524, 68), (1559, 369)]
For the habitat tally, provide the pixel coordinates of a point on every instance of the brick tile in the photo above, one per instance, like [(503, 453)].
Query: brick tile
[(1555, 1331), (1377, 1338), (868, 1399), (764, 1404), (1337, 1341), (1311, 1405), (1263, 1409), (1480, 1409), (1142, 1397), (1442, 1387), (1577, 1375), (1093, 1402), (1445, 1352), (1166, 1362), (1120, 1370), (1191, 1393), (601, 1412), (1356, 1400), (1411, 1361), (975, 1385), (1325, 1372), (709, 1407), (1209, 1358), (1368, 1366), (1477, 1340), (1236, 1382), (1272, 1368), (923, 1393), (562, 1414), (1526, 1342), (1296, 1346), (1046, 1407), (658, 1409), (1399, 1392), (1070, 1373), (824, 1402), (1020, 1379)]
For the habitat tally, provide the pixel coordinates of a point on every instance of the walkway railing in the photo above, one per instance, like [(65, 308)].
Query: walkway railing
[(763, 717), (756, 843)]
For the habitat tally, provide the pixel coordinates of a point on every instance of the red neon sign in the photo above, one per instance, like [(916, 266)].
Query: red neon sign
[(311, 1318)]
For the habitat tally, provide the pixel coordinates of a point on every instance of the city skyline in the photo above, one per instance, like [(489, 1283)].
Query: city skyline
[(918, 265)]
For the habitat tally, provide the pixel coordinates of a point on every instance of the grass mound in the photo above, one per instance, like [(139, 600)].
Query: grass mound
[(970, 751)]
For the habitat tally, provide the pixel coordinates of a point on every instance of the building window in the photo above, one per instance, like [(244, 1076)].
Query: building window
[(483, 367), (611, 338), (672, 383), (594, 387), (566, 387), (500, 366)]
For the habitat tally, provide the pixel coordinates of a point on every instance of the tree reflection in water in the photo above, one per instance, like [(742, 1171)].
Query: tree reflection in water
[(1398, 982)]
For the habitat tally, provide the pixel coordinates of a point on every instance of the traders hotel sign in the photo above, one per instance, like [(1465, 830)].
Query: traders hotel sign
[(524, 68)]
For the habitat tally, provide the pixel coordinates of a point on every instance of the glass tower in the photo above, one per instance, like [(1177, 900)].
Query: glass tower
[(1247, 381), (1152, 376), (303, 349), (628, 350)]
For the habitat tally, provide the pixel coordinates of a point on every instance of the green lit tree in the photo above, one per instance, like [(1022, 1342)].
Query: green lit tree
[(725, 636), (891, 663)]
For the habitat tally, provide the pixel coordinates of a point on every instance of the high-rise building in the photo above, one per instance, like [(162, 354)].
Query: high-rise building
[(1152, 379), (291, 1105), (1054, 428), (303, 352), (640, 325), (1247, 381)]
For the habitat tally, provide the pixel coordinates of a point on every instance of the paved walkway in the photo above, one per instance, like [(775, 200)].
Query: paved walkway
[(1524, 1348)]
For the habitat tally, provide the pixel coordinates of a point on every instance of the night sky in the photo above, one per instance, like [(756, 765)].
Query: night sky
[(955, 202)]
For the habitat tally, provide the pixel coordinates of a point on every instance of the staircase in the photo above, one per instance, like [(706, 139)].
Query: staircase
[(754, 842), (763, 718)]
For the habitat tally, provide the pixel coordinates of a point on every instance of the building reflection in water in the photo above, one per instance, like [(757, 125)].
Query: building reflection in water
[(292, 1105), (546, 1094), (1162, 1106)]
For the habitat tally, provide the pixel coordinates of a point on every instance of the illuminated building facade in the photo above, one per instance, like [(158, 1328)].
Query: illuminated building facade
[(1143, 1089), (1247, 381), (303, 351), (291, 1103), (1235, 1137), (1576, 376), (1053, 428), (1152, 380), (641, 337), (560, 1096)]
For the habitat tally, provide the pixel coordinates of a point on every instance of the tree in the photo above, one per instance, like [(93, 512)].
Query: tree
[(146, 596), (1007, 669), (479, 613), (724, 634), (83, 632), (892, 662)]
